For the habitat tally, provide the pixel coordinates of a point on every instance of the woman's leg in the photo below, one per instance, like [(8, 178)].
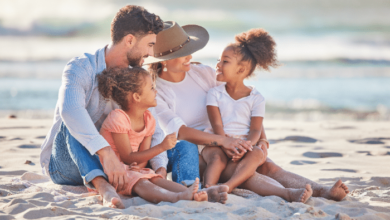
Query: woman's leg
[(216, 161), (184, 161), (155, 194), (245, 168), (291, 180), (265, 186)]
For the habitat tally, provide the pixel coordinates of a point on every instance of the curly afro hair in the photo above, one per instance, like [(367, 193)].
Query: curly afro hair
[(118, 83), (257, 47)]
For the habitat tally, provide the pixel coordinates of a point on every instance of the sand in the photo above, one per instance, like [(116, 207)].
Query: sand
[(356, 152)]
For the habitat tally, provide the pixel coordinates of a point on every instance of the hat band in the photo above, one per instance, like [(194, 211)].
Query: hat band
[(172, 50)]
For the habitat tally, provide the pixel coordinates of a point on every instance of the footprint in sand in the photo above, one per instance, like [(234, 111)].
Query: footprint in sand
[(302, 162), (369, 141), (29, 146), (374, 153), (301, 139), (321, 154), (41, 137), (342, 170)]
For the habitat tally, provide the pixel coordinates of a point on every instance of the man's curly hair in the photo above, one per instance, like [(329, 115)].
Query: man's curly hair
[(135, 20), (117, 83), (257, 47)]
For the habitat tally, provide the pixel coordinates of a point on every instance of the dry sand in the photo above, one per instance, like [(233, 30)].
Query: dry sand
[(356, 152)]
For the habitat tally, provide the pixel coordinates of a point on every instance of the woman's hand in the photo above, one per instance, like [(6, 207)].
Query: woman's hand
[(134, 167), (235, 146)]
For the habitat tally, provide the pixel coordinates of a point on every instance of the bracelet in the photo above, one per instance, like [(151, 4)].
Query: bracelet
[(266, 141)]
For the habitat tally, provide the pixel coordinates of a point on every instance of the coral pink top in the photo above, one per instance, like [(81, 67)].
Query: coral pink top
[(119, 122)]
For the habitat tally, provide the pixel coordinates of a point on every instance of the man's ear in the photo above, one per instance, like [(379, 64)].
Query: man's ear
[(130, 40), (136, 97)]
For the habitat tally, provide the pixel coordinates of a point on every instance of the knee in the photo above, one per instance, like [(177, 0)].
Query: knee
[(185, 147), (258, 153), (219, 157)]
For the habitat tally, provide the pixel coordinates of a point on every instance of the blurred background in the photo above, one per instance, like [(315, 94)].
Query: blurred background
[(335, 54)]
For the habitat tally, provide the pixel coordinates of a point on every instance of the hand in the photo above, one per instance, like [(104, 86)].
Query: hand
[(162, 171), (113, 168), (134, 167), (169, 141), (232, 146)]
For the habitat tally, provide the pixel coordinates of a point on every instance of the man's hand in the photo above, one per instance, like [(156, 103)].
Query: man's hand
[(113, 168), (169, 141), (162, 171)]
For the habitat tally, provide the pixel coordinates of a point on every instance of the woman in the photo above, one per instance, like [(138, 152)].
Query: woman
[(182, 89)]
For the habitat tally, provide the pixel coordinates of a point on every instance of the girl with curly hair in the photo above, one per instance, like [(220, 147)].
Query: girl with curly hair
[(129, 132)]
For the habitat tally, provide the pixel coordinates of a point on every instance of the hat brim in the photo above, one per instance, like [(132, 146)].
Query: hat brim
[(199, 37)]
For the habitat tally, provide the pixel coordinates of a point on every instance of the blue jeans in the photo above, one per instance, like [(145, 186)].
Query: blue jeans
[(183, 161), (71, 163)]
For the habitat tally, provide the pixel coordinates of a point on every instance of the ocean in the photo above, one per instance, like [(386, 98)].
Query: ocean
[(335, 54)]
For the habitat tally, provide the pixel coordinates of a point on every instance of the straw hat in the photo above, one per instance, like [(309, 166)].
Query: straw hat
[(175, 41)]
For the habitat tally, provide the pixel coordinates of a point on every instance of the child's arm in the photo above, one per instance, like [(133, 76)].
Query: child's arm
[(126, 154), (145, 145), (215, 119), (255, 130)]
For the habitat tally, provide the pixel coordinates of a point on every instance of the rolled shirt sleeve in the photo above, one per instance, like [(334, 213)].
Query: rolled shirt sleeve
[(72, 108)]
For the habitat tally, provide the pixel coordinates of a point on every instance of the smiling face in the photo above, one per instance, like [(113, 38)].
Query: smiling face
[(181, 64), (149, 92), (228, 66), (142, 49)]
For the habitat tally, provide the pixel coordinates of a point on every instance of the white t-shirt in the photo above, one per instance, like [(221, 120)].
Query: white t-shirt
[(190, 102), (236, 114)]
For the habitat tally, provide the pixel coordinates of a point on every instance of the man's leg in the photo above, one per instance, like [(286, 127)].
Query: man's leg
[(291, 180), (72, 164), (184, 161)]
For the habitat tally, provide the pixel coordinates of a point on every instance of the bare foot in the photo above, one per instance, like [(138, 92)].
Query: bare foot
[(108, 193), (218, 193), (337, 192), (300, 195), (189, 194), (201, 196)]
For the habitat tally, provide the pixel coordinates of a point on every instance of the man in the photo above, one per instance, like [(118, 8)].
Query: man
[(70, 153)]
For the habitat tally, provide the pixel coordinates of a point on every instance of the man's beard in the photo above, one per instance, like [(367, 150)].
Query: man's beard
[(134, 59)]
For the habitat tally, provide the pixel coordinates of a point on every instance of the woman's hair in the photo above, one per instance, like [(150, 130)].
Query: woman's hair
[(257, 47), (118, 83), (155, 69)]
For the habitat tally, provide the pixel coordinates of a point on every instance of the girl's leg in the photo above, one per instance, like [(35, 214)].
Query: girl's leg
[(216, 161), (155, 194), (176, 187), (266, 186), (291, 180), (245, 168)]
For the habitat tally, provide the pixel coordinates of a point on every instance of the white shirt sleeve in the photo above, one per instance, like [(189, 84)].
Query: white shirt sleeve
[(160, 160), (71, 101), (258, 108), (170, 122), (212, 98)]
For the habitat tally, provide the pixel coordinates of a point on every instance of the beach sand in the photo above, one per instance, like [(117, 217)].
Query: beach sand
[(358, 153)]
